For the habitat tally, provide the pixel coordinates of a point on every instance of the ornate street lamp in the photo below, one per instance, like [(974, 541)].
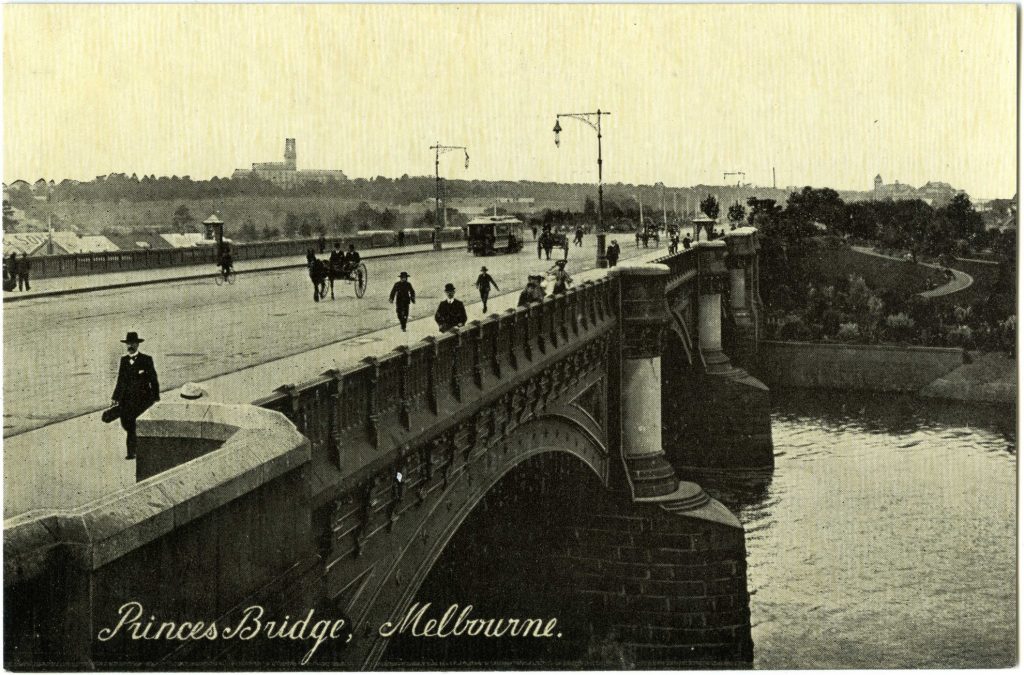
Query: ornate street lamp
[(593, 120), (442, 221)]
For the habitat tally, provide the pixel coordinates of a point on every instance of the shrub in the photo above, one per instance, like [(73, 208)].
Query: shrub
[(899, 321), (848, 332), (830, 320), (960, 336), (794, 328)]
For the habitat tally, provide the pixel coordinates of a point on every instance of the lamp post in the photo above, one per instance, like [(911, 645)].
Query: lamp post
[(593, 120), (442, 222)]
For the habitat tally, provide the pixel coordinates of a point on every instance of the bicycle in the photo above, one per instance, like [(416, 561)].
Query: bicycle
[(229, 277)]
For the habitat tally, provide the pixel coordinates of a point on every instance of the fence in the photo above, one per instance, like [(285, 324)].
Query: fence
[(76, 264)]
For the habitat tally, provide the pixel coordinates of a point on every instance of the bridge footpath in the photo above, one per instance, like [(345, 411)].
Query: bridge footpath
[(68, 285), (43, 469)]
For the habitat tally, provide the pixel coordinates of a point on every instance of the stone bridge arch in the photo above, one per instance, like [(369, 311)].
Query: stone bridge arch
[(392, 574)]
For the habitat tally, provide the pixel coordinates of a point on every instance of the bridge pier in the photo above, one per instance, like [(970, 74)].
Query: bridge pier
[(674, 580), (721, 417), (744, 296)]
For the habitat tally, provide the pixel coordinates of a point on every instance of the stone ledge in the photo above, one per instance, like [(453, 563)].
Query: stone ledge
[(262, 446)]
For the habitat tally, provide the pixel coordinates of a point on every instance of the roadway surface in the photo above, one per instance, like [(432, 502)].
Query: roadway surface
[(61, 353), (69, 463)]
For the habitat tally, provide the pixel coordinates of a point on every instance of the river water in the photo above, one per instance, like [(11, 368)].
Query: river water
[(885, 536)]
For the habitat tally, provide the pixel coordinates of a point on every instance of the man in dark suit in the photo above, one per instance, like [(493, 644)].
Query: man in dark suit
[(402, 294), (137, 387), (451, 312)]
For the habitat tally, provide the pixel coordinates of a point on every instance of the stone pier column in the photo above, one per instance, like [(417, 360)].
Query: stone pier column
[(741, 260), (712, 281), (643, 316), (741, 247)]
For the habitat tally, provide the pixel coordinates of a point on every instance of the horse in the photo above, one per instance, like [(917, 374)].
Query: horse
[(318, 274), (336, 271), (550, 240)]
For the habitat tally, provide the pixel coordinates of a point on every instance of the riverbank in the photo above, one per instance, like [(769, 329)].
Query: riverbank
[(934, 372)]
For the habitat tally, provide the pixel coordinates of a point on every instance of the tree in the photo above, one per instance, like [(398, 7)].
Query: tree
[(291, 224), (9, 220), (709, 205), (965, 221), (817, 205), (736, 214), (764, 213), (589, 210), (182, 217), (248, 231)]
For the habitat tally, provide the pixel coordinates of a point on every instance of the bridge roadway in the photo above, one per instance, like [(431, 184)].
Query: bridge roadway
[(61, 354)]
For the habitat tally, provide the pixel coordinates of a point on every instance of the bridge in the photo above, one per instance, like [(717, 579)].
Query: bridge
[(340, 495)]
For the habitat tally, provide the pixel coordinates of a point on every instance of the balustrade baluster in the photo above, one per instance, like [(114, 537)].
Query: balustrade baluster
[(456, 374), (405, 411), (513, 327), (478, 345), (496, 327), (432, 358), (372, 408), (528, 333)]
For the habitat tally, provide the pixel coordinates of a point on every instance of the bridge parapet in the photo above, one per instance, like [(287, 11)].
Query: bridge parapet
[(461, 387), (196, 539)]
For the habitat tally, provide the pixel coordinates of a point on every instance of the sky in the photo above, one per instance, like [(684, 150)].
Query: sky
[(829, 95)]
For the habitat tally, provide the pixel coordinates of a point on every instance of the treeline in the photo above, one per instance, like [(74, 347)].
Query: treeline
[(806, 302), (401, 191)]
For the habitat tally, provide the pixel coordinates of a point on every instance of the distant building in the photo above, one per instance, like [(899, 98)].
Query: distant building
[(55, 243), (286, 174), (933, 192)]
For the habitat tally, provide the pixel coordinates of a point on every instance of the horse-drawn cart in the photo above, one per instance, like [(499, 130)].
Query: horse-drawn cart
[(324, 274)]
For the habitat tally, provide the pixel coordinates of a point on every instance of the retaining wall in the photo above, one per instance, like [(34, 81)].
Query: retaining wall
[(864, 367)]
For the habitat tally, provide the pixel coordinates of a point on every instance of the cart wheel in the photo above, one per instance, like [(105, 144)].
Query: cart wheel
[(361, 280), (231, 277), (219, 279)]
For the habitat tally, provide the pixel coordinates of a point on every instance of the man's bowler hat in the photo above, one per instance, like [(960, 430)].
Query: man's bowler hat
[(403, 274), (449, 287), (132, 337)]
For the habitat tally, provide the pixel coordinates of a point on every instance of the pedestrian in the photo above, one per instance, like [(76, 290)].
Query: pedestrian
[(322, 243), (401, 238), (137, 387), (402, 295), (638, 236), (337, 259), (11, 280), (529, 293), (540, 244), (484, 283), (612, 253), (579, 236), (562, 278), (451, 312), (533, 228), (22, 268), (549, 243), (686, 242)]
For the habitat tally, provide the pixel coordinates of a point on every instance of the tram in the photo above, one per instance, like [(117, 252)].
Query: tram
[(489, 235)]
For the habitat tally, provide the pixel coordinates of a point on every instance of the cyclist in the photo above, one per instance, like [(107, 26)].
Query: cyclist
[(227, 265)]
